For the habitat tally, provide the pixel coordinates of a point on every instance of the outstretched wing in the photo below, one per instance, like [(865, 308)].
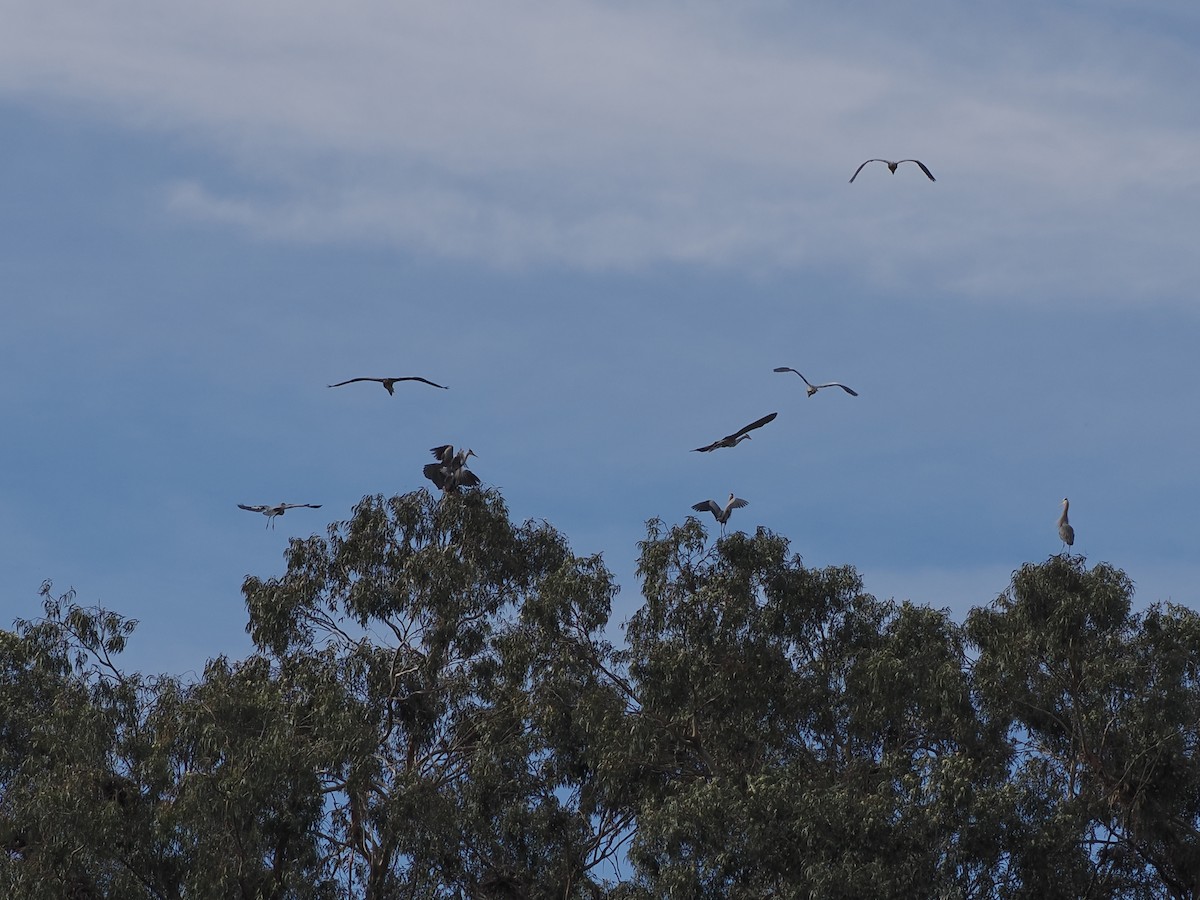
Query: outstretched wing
[(299, 506), (757, 424), (352, 380), (738, 503), (923, 169), (435, 473), (256, 509), (712, 446), (707, 506), (852, 393), (790, 369), (422, 380), (445, 452), (859, 169)]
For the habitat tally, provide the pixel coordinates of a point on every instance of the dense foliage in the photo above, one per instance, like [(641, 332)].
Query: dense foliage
[(434, 711)]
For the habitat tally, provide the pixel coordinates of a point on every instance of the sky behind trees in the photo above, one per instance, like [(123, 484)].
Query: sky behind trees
[(602, 225)]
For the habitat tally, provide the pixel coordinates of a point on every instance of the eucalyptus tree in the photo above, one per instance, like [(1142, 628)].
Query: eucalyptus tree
[(457, 671), (117, 785), (800, 737), (1103, 706), (76, 796)]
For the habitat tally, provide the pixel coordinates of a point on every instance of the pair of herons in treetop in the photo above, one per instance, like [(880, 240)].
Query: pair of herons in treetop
[(722, 513)]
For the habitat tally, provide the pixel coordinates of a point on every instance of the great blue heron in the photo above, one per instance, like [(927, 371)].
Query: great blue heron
[(732, 440), (892, 166), (450, 472), (390, 383), (277, 510), (813, 388), (721, 514), (1065, 532)]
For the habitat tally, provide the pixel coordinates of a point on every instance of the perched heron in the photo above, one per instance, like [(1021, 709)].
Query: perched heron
[(721, 514), (1065, 532), (277, 510), (892, 167), (813, 388), (732, 440), (450, 472), (390, 383)]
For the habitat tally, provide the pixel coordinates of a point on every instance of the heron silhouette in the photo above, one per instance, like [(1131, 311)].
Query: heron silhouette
[(813, 388), (1065, 532), (271, 512), (892, 167), (732, 440), (450, 472), (390, 383), (721, 513)]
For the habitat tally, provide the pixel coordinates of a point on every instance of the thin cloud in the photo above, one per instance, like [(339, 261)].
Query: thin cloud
[(601, 135)]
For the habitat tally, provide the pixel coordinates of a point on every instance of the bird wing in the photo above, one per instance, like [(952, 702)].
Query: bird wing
[(707, 506), (445, 452), (352, 380), (256, 509), (852, 393), (712, 446), (420, 379), (299, 506), (923, 169), (789, 369), (757, 424), (738, 503), (467, 477), (435, 474), (860, 168)]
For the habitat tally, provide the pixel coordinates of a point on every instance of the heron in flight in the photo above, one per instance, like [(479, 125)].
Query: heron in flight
[(813, 388), (732, 440), (277, 510), (450, 472), (1065, 532), (892, 167), (721, 514), (390, 383)]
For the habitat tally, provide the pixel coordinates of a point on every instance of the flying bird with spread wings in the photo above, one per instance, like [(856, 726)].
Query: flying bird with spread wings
[(742, 434), (892, 167), (450, 472), (721, 514), (390, 383), (277, 510), (813, 388)]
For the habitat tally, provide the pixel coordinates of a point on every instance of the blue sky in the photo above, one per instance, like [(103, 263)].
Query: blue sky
[(602, 224)]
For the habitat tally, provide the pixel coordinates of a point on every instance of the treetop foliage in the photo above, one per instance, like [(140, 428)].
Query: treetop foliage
[(434, 710)]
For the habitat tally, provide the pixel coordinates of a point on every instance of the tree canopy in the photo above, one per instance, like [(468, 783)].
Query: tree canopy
[(437, 708)]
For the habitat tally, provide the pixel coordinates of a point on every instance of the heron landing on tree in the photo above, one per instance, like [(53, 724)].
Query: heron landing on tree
[(450, 472), (721, 514), (271, 512)]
